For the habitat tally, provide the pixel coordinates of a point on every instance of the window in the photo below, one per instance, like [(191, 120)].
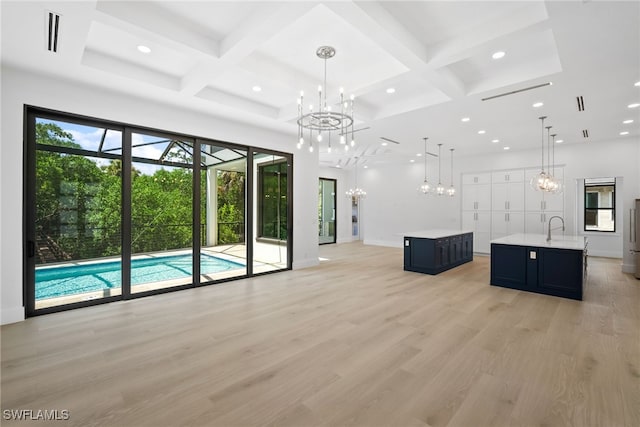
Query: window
[(599, 204)]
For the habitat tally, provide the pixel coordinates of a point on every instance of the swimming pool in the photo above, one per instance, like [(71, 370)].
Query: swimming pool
[(60, 281)]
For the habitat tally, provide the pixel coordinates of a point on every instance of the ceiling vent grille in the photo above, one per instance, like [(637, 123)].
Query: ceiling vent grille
[(52, 30), (580, 103), (517, 91), (585, 133)]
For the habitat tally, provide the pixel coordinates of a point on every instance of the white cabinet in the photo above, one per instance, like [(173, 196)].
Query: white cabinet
[(476, 209), (480, 223), (476, 192), (505, 223), (507, 196)]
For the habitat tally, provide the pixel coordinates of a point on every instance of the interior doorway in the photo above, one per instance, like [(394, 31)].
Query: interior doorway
[(326, 211)]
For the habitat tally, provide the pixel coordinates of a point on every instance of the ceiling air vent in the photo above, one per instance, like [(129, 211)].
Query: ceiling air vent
[(52, 30), (517, 91), (585, 133), (580, 103)]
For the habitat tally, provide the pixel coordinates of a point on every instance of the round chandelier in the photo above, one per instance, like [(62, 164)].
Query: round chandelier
[(324, 120)]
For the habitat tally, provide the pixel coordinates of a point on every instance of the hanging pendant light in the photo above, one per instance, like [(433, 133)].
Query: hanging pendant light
[(548, 184), (356, 193), (425, 188), (440, 187), (451, 191), (557, 186), (538, 181)]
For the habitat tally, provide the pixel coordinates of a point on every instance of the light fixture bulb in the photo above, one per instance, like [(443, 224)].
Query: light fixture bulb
[(343, 140), (319, 137), (311, 148), (299, 146), (301, 141), (353, 143), (451, 191)]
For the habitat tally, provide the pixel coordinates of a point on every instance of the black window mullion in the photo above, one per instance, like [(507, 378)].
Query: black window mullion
[(249, 217), (125, 223), (196, 231)]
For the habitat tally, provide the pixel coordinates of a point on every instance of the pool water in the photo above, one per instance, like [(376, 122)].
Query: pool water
[(60, 281)]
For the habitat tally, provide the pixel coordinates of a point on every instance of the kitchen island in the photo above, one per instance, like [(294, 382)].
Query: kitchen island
[(437, 250), (529, 262)]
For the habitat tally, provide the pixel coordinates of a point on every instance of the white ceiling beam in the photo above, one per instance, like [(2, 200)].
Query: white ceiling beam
[(531, 18), (374, 21), (236, 102), (155, 24), (242, 42), (129, 70)]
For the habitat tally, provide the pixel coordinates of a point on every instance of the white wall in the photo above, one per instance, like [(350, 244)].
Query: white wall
[(20, 88), (394, 206)]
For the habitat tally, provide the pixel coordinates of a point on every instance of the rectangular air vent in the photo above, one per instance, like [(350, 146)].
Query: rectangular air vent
[(585, 133), (580, 103), (517, 91), (52, 30)]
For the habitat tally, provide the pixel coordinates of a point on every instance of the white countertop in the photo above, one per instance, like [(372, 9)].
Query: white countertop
[(436, 233), (558, 241)]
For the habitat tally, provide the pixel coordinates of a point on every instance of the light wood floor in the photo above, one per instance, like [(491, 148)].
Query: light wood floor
[(354, 341)]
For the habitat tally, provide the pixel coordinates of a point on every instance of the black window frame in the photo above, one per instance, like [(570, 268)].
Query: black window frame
[(590, 212), (283, 166)]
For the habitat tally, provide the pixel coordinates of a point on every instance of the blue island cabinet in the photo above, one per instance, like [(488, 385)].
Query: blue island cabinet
[(433, 252), (545, 270)]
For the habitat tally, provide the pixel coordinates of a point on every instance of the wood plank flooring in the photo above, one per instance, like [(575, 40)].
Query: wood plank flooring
[(355, 341)]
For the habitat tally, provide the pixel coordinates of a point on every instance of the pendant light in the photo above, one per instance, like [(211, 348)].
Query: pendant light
[(425, 188), (451, 191), (440, 187), (538, 181), (557, 186), (356, 193)]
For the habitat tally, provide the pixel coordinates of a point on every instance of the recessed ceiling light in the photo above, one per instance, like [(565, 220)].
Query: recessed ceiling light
[(636, 84), (481, 132), (391, 90), (538, 105), (384, 143), (144, 49), (412, 160), (257, 89), (498, 55), (624, 133), (366, 167), (338, 166), (560, 141), (419, 154), (626, 122), (465, 119), (506, 148), (495, 140), (634, 105)]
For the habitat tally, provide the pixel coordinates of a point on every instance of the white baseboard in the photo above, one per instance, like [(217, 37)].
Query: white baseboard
[(305, 263), (11, 315), (605, 254), (387, 243), (628, 268)]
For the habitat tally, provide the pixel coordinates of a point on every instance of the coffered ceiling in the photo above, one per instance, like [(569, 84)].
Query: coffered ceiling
[(209, 56)]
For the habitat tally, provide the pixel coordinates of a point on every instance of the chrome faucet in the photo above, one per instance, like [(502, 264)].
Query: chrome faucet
[(549, 226)]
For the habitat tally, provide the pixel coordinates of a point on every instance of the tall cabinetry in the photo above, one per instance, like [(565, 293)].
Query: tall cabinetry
[(540, 205), (507, 203), (476, 209)]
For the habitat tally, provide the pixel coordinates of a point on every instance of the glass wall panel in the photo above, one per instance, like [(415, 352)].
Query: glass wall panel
[(223, 186), (77, 247), (326, 211), (161, 212), (271, 207)]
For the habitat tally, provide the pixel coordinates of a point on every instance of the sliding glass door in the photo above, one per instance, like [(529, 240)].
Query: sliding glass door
[(74, 238), (161, 211), (271, 203), (115, 212), (223, 189)]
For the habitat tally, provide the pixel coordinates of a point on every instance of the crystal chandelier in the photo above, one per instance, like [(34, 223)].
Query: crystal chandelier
[(451, 191), (425, 188), (356, 193), (323, 121)]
